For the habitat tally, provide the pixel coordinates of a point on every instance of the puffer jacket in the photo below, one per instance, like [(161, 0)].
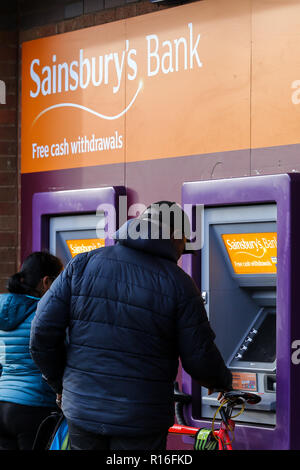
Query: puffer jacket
[(20, 381), (131, 312)]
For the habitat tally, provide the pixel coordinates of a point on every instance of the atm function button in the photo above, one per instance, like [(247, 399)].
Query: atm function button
[(238, 356), (253, 331), (244, 348), (248, 340)]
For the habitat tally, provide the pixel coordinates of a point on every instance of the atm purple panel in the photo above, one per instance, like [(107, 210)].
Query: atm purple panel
[(284, 190), (70, 202)]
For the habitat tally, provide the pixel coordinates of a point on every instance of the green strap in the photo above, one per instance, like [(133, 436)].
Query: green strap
[(205, 440)]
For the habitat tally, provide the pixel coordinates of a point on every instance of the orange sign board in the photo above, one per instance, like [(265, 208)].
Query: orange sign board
[(153, 86), (83, 245), (252, 253), (188, 80)]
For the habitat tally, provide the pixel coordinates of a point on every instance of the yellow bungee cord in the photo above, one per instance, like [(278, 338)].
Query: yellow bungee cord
[(232, 417)]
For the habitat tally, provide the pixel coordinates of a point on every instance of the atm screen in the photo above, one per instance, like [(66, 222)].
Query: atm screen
[(73, 234), (263, 346), (82, 245), (252, 253)]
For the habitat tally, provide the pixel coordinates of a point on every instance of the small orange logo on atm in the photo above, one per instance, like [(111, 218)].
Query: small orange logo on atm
[(81, 246), (252, 253)]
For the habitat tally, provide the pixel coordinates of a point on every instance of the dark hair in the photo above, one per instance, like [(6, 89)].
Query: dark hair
[(36, 266)]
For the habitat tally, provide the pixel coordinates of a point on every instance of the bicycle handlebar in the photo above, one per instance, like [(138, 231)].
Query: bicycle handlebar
[(181, 397), (234, 397), (237, 397)]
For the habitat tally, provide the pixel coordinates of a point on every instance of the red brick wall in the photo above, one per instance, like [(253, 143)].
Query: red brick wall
[(9, 198), (114, 10)]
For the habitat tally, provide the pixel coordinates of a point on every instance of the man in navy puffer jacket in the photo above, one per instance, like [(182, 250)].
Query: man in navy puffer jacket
[(131, 312)]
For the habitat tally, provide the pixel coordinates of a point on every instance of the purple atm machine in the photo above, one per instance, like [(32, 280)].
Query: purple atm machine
[(248, 274), (71, 222)]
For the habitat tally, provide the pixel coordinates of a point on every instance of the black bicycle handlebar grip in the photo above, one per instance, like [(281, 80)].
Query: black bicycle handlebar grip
[(179, 414), (181, 397)]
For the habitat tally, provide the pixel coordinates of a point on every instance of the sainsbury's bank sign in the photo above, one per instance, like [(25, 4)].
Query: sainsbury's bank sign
[(131, 90)]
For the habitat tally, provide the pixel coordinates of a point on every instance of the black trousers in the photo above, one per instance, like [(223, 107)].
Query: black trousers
[(84, 440), (19, 424)]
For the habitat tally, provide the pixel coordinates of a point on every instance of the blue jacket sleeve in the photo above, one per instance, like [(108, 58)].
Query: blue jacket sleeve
[(199, 354), (48, 330)]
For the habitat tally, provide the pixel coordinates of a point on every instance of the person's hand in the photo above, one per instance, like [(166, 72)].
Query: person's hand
[(58, 399), (220, 396)]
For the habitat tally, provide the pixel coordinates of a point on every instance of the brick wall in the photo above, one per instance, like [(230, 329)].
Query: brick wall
[(9, 197), (39, 19)]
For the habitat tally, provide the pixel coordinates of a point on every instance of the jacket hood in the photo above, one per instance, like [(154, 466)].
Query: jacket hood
[(136, 234), (14, 308)]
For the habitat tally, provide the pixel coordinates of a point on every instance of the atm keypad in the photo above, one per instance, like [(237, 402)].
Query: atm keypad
[(247, 341)]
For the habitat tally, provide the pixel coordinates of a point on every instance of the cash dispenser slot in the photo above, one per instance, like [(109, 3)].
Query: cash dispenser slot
[(270, 383)]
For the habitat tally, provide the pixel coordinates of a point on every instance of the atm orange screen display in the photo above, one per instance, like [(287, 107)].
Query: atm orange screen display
[(252, 253), (83, 245), (244, 381)]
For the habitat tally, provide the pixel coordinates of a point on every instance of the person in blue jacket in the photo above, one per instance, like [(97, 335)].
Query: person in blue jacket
[(25, 397), (131, 313)]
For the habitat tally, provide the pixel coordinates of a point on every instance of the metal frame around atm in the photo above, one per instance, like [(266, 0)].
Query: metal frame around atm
[(70, 202), (284, 190)]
